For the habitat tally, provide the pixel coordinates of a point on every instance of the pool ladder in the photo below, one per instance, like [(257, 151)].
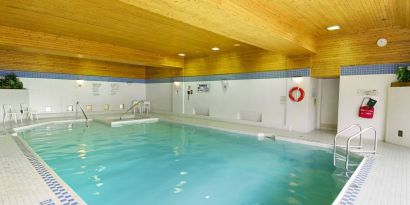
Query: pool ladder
[(348, 147), (135, 104), (76, 113)]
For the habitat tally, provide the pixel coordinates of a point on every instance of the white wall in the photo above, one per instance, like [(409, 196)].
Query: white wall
[(301, 116), (246, 96), (61, 93), (350, 99), (160, 96), (329, 103), (261, 95), (398, 114), (178, 96), (14, 98)]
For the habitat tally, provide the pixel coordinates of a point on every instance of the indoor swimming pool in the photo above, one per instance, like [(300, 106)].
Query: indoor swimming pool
[(169, 163)]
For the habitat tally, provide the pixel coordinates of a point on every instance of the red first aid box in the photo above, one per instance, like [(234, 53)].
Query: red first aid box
[(366, 112)]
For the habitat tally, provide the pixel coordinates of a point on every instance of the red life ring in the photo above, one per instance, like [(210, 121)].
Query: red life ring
[(297, 89)]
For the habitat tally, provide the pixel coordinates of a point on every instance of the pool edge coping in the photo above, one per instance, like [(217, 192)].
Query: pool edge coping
[(22, 144), (352, 187), (26, 127), (279, 137), (67, 187)]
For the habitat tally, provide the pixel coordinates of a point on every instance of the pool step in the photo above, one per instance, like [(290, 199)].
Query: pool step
[(117, 122)]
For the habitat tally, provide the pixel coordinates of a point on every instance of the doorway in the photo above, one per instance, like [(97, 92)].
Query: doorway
[(328, 104)]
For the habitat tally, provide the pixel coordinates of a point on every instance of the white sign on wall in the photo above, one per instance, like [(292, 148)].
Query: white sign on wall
[(115, 89), (373, 92), (203, 87), (96, 89)]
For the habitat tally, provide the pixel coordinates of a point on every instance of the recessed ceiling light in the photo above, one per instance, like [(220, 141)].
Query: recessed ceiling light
[(181, 54), (215, 49), (236, 44), (332, 28)]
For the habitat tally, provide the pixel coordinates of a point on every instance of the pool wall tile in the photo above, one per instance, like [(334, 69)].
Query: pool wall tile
[(373, 69)]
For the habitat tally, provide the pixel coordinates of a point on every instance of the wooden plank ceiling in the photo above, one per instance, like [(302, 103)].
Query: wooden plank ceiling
[(161, 29), (352, 15), (288, 26), (112, 22)]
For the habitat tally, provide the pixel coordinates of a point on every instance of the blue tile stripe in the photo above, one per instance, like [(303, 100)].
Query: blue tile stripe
[(60, 192), (354, 188), (29, 74), (303, 72), (47, 202), (374, 69)]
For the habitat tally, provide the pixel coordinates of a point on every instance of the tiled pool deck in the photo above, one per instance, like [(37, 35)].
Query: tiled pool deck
[(384, 179)]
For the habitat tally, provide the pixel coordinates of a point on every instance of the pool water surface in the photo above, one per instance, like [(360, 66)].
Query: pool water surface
[(167, 163)]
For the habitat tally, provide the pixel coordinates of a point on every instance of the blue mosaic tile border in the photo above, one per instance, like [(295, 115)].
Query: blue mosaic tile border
[(374, 69), (303, 72), (60, 192), (28, 74), (354, 188), (47, 202)]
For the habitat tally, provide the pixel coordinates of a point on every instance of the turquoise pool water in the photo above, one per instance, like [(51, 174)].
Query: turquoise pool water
[(166, 163)]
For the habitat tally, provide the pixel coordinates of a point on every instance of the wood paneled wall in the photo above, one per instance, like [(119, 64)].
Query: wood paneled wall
[(360, 49), (155, 73), (334, 51), (27, 61), (254, 60), (249, 60)]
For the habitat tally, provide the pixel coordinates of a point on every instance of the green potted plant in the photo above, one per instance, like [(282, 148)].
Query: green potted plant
[(403, 77), (10, 81)]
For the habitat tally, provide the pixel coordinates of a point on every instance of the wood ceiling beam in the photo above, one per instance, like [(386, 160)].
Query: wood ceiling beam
[(45, 43), (34, 62), (246, 21)]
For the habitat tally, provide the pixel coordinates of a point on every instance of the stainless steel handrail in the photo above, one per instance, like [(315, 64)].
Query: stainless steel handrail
[(76, 113), (338, 134), (362, 151), (132, 107)]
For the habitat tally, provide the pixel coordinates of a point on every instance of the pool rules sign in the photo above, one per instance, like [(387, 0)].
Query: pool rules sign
[(115, 89), (96, 89)]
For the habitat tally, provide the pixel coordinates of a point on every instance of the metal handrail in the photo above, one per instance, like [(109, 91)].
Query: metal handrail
[(132, 107), (363, 151), (85, 115), (339, 133)]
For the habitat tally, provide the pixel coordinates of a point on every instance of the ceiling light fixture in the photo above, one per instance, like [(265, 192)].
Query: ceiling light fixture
[(382, 42), (181, 54), (215, 49), (236, 44), (332, 28)]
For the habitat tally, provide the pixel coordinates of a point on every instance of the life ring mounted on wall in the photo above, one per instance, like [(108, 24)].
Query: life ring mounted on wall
[(294, 96)]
